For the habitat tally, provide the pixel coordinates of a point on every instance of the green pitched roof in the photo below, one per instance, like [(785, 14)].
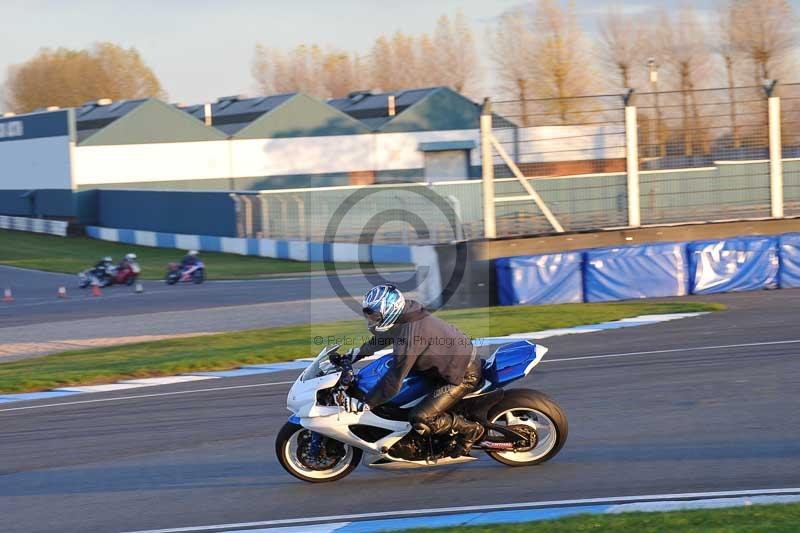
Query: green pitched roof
[(301, 116), (153, 121), (443, 109)]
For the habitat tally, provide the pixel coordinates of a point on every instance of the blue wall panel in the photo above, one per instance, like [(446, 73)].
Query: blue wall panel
[(789, 250), (648, 271), (738, 264), (540, 279), (190, 213)]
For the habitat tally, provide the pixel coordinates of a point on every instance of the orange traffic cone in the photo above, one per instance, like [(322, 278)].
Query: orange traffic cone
[(7, 296), (96, 290), (62, 292)]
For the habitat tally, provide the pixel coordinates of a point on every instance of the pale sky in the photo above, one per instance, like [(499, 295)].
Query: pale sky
[(201, 49)]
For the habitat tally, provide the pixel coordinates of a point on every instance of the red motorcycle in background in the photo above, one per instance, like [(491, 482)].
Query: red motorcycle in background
[(176, 273), (125, 274)]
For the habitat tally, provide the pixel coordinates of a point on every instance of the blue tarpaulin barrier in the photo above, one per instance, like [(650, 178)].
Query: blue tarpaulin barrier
[(540, 279), (737, 264), (630, 272), (789, 251)]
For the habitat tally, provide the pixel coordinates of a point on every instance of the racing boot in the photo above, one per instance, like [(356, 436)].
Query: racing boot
[(469, 433)]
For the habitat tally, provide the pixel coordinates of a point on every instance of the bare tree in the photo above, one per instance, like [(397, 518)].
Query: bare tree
[(729, 48), (766, 31), (404, 63), (622, 46), (381, 64), (561, 59), (69, 78), (457, 58), (510, 45), (308, 69), (686, 48)]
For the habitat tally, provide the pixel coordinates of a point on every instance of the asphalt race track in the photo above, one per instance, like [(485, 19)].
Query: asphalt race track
[(700, 404), (215, 306), (36, 301)]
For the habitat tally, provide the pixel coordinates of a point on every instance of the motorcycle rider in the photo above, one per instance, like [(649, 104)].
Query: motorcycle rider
[(189, 260), (427, 344), (103, 268), (127, 261)]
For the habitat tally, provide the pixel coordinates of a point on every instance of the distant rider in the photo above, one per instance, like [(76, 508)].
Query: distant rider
[(190, 260), (127, 261), (427, 344), (103, 268)]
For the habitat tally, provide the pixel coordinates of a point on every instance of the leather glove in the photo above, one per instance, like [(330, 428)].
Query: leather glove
[(353, 354)]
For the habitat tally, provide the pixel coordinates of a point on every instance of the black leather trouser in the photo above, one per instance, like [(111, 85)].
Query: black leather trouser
[(431, 415)]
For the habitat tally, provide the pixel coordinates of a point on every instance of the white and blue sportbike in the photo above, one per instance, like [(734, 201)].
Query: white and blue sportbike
[(329, 431)]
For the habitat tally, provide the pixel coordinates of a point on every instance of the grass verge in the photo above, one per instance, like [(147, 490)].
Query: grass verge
[(74, 254), (774, 518), (229, 350)]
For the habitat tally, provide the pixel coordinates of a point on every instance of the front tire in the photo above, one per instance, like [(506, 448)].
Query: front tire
[(288, 448), (198, 276), (537, 411)]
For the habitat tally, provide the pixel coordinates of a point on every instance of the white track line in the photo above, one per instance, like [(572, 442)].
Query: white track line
[(674, 350), (470, 508), (146, 396), (587, 357)]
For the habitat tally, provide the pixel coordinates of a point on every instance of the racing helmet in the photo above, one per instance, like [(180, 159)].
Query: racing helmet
[(131, 257), (382, 306), (107, 259), (192, 253)]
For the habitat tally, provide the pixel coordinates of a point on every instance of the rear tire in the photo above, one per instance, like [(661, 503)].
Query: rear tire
[(287, 457), (534, 409)]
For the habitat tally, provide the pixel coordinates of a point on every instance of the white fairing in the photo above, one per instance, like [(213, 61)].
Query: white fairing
[(540, 351), (333, 421)]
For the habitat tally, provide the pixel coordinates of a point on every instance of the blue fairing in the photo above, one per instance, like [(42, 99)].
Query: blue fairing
[(294, 419), (414, 386), (509, 363)]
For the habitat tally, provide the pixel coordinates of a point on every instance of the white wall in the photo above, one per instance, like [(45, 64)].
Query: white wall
[(151, 162), (395, 151), (244, 158), (41, 163), (302, 155), (569, 143)]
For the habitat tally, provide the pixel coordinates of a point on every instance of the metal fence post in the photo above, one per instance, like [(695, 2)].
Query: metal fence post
[(487, 162), (632, 163), (775, 155)]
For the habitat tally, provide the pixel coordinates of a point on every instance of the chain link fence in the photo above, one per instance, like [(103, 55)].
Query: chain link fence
[(703, 155), (571, 151), (790, 142)]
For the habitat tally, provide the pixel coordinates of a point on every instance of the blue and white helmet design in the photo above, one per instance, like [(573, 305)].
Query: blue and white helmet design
[(382, 306)]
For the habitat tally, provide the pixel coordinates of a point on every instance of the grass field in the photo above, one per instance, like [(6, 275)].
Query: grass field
[(229, 350), (754, 518), (74, 254)]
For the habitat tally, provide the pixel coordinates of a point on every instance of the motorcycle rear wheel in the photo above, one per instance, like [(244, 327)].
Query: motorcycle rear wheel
[(287, 448), (537, 411)]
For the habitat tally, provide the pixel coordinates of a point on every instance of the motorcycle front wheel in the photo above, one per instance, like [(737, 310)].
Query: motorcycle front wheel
[(198, 276), (292, 447)]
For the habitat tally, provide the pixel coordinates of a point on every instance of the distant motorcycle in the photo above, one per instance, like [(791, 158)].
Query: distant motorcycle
[(125, 274), (176, 273)]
